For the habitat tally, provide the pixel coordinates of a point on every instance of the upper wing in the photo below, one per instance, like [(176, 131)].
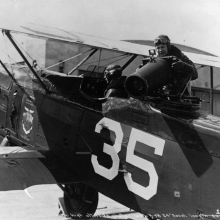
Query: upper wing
[(79, 38), (98, 42), (204, 59)]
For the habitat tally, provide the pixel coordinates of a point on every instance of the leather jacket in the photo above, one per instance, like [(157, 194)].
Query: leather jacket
[(189, 66)]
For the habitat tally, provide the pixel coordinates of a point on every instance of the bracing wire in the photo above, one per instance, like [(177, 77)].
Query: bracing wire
[(118, 60), (100, 60), (9, 58), (14, 62), (124, 56), (56, 63), (67, 59), (25, 51)]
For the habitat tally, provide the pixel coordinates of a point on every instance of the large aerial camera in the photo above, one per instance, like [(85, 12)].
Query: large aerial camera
[(151, 78)]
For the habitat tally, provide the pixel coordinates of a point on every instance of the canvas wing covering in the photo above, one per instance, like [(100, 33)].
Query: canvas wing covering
[(20, 169), (98, 42)]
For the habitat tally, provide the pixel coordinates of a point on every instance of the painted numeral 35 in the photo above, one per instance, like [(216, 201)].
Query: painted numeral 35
[(136, 135)]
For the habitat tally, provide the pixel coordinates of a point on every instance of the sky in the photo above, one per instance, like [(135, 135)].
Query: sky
[(193, 23)]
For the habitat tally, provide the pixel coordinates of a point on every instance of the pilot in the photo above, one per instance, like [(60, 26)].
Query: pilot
[(115, 82), (183, 64)]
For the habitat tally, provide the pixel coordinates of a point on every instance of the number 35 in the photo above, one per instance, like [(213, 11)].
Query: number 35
[(136, 135)]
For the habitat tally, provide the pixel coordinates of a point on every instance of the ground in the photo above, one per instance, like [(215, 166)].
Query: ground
[(41, 203)]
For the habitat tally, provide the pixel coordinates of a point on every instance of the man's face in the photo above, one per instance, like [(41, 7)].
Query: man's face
[(161, 50), (108, 75)]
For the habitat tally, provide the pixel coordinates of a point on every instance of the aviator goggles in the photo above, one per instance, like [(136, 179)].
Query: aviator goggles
[(108, 73), (160, 41)]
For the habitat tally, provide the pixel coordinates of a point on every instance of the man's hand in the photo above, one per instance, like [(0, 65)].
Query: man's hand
[(178, 66)]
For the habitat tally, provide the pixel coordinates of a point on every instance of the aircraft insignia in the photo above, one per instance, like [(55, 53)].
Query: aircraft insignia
[(27, 121)]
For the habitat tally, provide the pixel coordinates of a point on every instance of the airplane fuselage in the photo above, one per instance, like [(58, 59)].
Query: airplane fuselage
[(129, 150)]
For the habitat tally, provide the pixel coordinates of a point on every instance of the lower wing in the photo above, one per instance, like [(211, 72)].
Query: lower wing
[(20, 169)]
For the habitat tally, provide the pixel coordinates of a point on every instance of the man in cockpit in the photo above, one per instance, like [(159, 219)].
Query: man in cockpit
[(182, 65), (115, 82)]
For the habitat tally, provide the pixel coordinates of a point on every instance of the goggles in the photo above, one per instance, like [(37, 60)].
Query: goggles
[(161, 41), (108, 73)]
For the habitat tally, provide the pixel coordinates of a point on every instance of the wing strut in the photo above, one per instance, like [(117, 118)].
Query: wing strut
[(7, 32), (6, 69), (129, 61), (83, 61)]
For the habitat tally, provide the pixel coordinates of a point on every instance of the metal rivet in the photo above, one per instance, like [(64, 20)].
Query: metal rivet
[(176, 194)]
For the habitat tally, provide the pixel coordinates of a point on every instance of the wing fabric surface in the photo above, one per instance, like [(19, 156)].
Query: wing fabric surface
[(18, 152), (98, 42), (20, 169), (75, 37)]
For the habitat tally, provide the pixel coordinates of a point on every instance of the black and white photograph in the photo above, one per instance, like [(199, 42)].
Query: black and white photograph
[(109, 109)]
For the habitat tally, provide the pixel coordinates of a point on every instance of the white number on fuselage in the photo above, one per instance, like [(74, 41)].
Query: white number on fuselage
[(136, 135), (152, 141), (108, 149)]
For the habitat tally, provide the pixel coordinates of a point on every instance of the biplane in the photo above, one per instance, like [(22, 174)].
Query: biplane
[(155, 153)]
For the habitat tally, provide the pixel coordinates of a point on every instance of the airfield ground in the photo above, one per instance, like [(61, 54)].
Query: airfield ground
[(41, 203)]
